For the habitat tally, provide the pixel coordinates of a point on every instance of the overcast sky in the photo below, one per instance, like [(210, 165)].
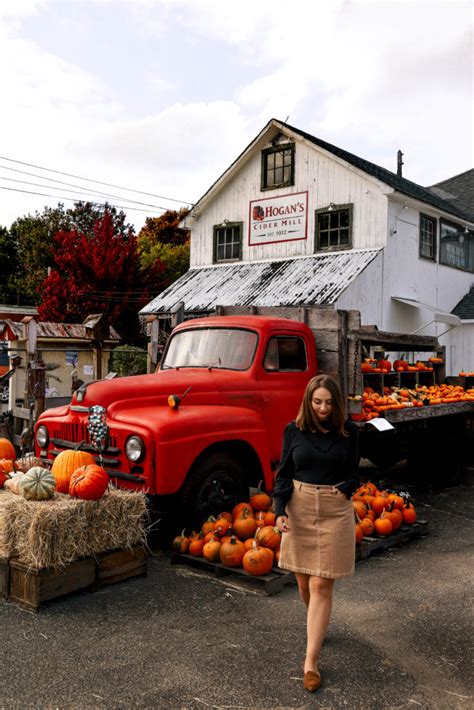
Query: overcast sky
[(161, 96)]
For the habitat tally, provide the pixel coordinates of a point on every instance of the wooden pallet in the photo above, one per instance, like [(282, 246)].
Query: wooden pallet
[(373, 545), (121, 564), (4, 577), (270, 583), (30, 587)]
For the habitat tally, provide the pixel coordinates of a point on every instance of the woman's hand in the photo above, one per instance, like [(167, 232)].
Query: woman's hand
[(282, 523)]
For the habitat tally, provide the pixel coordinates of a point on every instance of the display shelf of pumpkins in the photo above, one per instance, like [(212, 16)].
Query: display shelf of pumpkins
[(245, 538), (375, 403)]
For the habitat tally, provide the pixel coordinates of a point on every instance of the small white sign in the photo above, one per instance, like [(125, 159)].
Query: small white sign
[(278, 219), (381, 424), (88, 369)]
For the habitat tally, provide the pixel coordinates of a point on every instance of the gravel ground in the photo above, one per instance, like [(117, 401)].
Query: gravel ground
[(399, 638)]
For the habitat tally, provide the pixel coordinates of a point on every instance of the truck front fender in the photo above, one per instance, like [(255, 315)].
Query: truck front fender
[(182, 435)]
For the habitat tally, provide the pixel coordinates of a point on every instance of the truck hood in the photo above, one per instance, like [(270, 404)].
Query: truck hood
[(132, 391)]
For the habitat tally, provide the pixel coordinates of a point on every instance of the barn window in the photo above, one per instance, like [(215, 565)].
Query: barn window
[(456, 246), (228, 242), (334, 227), (278, 166), (427, 237)]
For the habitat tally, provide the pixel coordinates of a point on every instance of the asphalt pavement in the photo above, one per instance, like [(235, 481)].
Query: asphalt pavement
[(400, 635)]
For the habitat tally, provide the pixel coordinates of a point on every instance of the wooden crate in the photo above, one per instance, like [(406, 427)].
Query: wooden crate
[(30, 587), (270, 583), (4, 577), (118, 565), (373, 545)]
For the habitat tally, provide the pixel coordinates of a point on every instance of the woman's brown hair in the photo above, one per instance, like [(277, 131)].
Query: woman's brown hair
[(306, 419)]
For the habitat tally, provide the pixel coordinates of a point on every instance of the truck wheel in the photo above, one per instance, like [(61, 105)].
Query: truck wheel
[(215, 485)]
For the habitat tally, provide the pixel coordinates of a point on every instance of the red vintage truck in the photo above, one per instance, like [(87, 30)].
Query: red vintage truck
[(208, 424)]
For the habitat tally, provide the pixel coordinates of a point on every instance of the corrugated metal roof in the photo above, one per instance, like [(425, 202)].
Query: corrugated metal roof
[(312, 280), (58, 330)]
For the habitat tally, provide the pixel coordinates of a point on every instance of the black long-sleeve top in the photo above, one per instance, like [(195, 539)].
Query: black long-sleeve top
[(320, 458)]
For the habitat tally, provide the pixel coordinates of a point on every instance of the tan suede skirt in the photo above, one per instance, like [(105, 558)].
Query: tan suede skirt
[(321, 539)]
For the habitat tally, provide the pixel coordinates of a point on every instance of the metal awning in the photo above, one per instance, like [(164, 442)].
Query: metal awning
[(310, 280), (439, 316)]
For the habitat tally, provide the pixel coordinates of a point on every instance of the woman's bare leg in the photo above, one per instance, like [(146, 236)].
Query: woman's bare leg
[(303, 587), (319, 613)]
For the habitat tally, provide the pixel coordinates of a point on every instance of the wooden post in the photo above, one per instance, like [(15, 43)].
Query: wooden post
[(177, 314), (153, 330)]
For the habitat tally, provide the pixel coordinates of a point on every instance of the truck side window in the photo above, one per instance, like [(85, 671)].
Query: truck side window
[(285, 355)]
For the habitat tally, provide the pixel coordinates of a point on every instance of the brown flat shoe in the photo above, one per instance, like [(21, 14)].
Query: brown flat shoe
[(312, 681)]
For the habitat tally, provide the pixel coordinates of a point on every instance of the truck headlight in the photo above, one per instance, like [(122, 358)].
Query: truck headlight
[(134, 449), (42, 437)]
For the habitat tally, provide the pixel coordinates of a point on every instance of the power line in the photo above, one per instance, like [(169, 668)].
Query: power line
[(73, 199), (80, 190), (99, 182)]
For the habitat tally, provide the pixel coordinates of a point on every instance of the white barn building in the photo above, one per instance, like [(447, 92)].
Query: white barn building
[(297, 221)]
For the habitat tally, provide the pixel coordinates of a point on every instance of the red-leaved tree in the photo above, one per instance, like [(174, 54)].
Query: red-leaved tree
[(97, 272)]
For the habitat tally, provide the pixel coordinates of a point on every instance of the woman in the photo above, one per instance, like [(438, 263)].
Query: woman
[(312, 503)]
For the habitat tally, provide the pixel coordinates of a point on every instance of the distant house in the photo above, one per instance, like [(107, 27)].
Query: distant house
[(68, 351), (14, 313), (297, 221)]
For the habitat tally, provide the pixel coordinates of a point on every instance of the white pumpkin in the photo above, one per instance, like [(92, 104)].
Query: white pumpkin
[(37, 484), (13, 483)]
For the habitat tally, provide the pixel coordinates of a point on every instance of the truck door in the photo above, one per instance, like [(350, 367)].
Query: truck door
[(284, 374)]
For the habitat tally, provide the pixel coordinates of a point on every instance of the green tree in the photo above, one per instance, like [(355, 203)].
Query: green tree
[(9, 264), (128, 360), (163, 249), (33, 236)]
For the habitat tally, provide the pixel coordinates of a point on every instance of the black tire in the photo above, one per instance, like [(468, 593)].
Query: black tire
[(213, 486)]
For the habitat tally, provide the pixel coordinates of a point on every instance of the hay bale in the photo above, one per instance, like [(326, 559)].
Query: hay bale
[(55, 532)]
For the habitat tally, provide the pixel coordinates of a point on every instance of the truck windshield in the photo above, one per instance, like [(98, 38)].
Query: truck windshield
[(227, 348)]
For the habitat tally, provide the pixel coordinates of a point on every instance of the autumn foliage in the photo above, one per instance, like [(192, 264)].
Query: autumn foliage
[(95, 272)]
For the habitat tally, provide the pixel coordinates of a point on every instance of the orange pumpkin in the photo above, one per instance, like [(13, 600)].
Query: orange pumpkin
[(89, 482), (360, 508), (409, 514), (3, 477), (211, 549), (359, 533), (367, 526), (260, 500), (226, 515), (383, 525), (379, 503), (221, 526), (260, 518), (258, 560), (7, 450), (232, 552), (270, 518), (208, 525), (7, 465), (268, 536), (245, 525), (237, 509), (180, 543), (65, 464), (196, 545)]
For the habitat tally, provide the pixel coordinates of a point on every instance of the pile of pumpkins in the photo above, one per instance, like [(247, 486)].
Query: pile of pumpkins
[(73, 472), (244, 537), (380, 512)]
